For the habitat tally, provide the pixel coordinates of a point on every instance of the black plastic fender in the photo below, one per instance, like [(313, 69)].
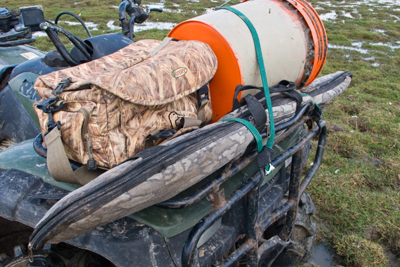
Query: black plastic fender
[(15, 122)]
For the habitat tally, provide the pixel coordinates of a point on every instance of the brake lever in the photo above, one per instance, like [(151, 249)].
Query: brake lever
[(155, 9)]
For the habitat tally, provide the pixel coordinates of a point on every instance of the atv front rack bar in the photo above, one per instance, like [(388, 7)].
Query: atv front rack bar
[(251, 189), (233, 169)]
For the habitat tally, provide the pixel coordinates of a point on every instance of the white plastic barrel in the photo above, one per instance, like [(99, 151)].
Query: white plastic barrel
[(292, 37)]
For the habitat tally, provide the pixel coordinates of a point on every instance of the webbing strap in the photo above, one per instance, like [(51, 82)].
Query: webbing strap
[(261, 65), (160, 46), (58, 164), (252, 129)]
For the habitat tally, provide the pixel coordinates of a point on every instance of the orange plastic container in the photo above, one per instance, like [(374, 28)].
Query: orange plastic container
[(292, 37)]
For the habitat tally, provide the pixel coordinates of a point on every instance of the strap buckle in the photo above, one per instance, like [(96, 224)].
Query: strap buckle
[(49, 106), (65, 82), (271, 168)]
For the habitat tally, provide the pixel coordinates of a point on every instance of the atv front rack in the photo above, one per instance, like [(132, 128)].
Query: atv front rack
[(258, 219)]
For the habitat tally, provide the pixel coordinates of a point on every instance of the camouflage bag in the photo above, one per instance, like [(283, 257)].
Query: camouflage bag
[(102, 112)]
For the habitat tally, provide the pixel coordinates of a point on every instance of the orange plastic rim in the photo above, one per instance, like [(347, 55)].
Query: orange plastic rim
[(228, 75), (318, 35)]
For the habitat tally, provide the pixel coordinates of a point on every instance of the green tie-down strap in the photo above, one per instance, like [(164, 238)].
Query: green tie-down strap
[(264, 153), (261, 65)]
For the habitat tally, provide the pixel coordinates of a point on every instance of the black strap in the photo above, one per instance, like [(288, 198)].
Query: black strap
[(283, 86), (259, 118), (241, 88), (202, 94), (286, 88)]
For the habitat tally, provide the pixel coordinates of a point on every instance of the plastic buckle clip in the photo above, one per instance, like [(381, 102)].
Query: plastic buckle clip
[(49, 106), (271, 168), (65, 82)]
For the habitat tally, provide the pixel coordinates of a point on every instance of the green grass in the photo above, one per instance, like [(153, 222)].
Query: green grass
[(360, 204)]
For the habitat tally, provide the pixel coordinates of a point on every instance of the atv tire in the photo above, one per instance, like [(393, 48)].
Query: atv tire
[(302, 237)]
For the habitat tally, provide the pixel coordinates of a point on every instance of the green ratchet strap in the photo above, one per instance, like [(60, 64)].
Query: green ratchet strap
[(264, 80), (252, 129), (261, 65)]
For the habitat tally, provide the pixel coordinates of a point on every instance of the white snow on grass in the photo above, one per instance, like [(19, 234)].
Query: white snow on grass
[(328, 16), (39, 34), (91, 26), (347, 15), (375, 64), (379, 31), (396, 18), (360, 50), (369, 58), (154, 25), (111, 26), (357, 44), (393, 47)]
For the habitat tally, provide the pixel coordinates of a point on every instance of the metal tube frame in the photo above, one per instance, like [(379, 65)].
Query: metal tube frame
[(251, 189), (231, 170)]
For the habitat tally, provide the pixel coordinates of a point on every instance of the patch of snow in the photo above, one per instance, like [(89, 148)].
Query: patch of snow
[(360, 50), (379, 31), (175, 5), (393, 47), (209, 10), (76, 3), (111, 26), (92, 26), (115, 6), (154, 25), (396, 18), (39, 34), (328, 16), (375, 64), (347, 56), (156, 5), (326, 3), (347, 15), (369, 58), (371, 10), (357, 44)]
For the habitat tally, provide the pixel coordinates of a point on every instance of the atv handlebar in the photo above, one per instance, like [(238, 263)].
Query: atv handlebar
[(16, 27), (137, 14)]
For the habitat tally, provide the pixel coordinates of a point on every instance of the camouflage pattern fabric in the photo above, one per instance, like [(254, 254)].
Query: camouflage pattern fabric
[(171, 179), (128, 95), (324, 97)]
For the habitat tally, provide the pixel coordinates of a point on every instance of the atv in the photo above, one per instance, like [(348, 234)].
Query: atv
[(237, 216)]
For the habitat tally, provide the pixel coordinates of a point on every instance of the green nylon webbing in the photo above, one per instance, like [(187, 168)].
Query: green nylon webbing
[(252, 129), (315, 103), (261, 65)]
